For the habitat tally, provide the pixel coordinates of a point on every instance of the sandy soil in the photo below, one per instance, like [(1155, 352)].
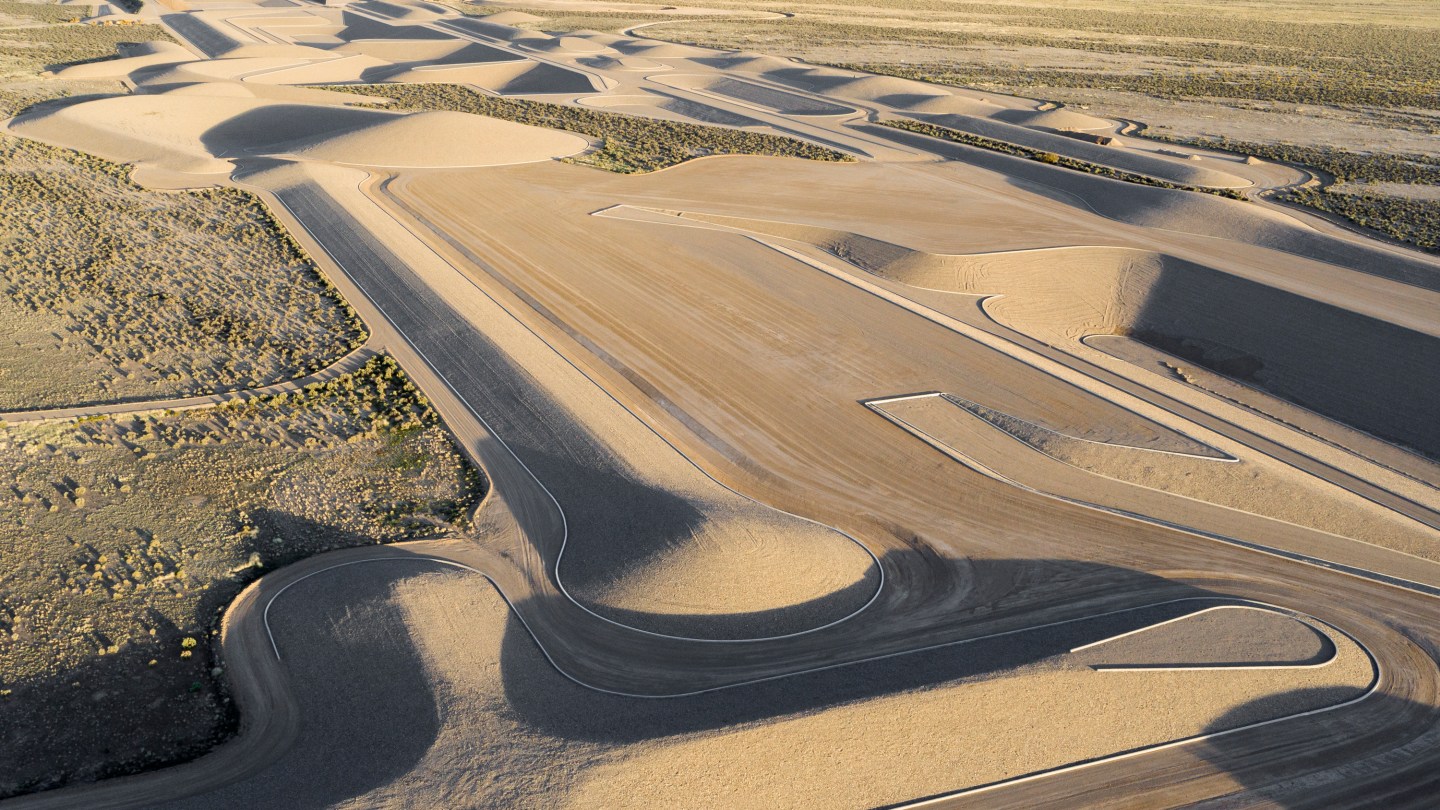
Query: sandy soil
[(1228, 636), (473, 713), (197, 133)]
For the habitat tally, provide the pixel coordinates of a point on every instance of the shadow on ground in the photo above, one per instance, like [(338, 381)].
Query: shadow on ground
[(1379, 752), (563, 709)]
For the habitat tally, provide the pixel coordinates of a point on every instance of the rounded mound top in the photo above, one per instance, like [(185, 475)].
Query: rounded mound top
[(662, 50), (871, 88), (578, 45), (954, 105), (1059, 118), (511, 18), (437, 140), (741, 574)]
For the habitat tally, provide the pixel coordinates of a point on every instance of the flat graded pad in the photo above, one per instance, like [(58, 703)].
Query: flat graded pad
[(1230, 636)]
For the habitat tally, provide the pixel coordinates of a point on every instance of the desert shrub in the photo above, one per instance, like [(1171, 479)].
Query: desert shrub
[(195, 292), (1416, 222), (1210, 55), (109, 612), (31, 49), (1406, 219), (628, 144), (1005, 147)]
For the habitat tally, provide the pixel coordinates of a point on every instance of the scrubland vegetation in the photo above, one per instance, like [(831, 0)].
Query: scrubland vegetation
[(956, 136), (31, 41), (1363, 65), (1345, 180), (628, 144), (18, 13), (1242, 56), (569, 19), (112, 292), (124, 538)]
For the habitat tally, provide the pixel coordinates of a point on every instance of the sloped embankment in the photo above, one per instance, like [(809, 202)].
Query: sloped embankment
[(1368, 373)]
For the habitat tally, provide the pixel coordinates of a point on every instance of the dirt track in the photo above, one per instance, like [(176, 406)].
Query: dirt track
[(630, 386)]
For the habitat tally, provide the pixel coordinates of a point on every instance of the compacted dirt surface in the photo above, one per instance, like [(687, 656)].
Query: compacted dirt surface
[(938, 477)]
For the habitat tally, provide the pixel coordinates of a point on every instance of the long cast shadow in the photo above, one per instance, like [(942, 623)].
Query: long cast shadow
[(368, 713), (564, 709), (1379, 752)]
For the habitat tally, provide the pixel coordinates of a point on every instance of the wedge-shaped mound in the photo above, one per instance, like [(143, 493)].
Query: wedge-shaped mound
[(661, 50), (511, 18), (1056, 119), (637, 63), (815, 80), (503, 78), (214, 69), (952, 105), (1368, 373), (1138, 434), (741, 571), (415, 52), (132, 57), (332, 71), (573, 45), (1229, 636), (747, 62), (435, 140), (886, 89)]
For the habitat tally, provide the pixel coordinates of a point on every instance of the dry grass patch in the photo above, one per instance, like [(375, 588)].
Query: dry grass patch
[(112, 292), (628, 144), (125, 537)]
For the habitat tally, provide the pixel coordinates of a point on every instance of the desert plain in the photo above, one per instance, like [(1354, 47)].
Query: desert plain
[(577, 404)]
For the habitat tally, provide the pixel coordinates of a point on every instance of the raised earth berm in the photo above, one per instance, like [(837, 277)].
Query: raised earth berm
[(1058, 119), (503, 78), (197, 133), (435, 140), (129, 57), (1368, 373), (1183, 173)]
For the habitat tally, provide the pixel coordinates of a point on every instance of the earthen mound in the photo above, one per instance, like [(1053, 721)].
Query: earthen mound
[(436, 140), (1056, 119)]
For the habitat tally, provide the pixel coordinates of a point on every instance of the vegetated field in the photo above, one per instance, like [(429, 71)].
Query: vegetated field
[(1005, 147), (1306, 53), (1264, 73), (1352, 185), (32, 39), (112, 292), (628, 144), (123, 539)]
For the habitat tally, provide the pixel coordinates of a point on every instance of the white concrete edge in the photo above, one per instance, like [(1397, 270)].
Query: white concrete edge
[(1028, 357), (880, 585), (1375, 684), (1167, 493), (265, 617), (1292, 556)]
